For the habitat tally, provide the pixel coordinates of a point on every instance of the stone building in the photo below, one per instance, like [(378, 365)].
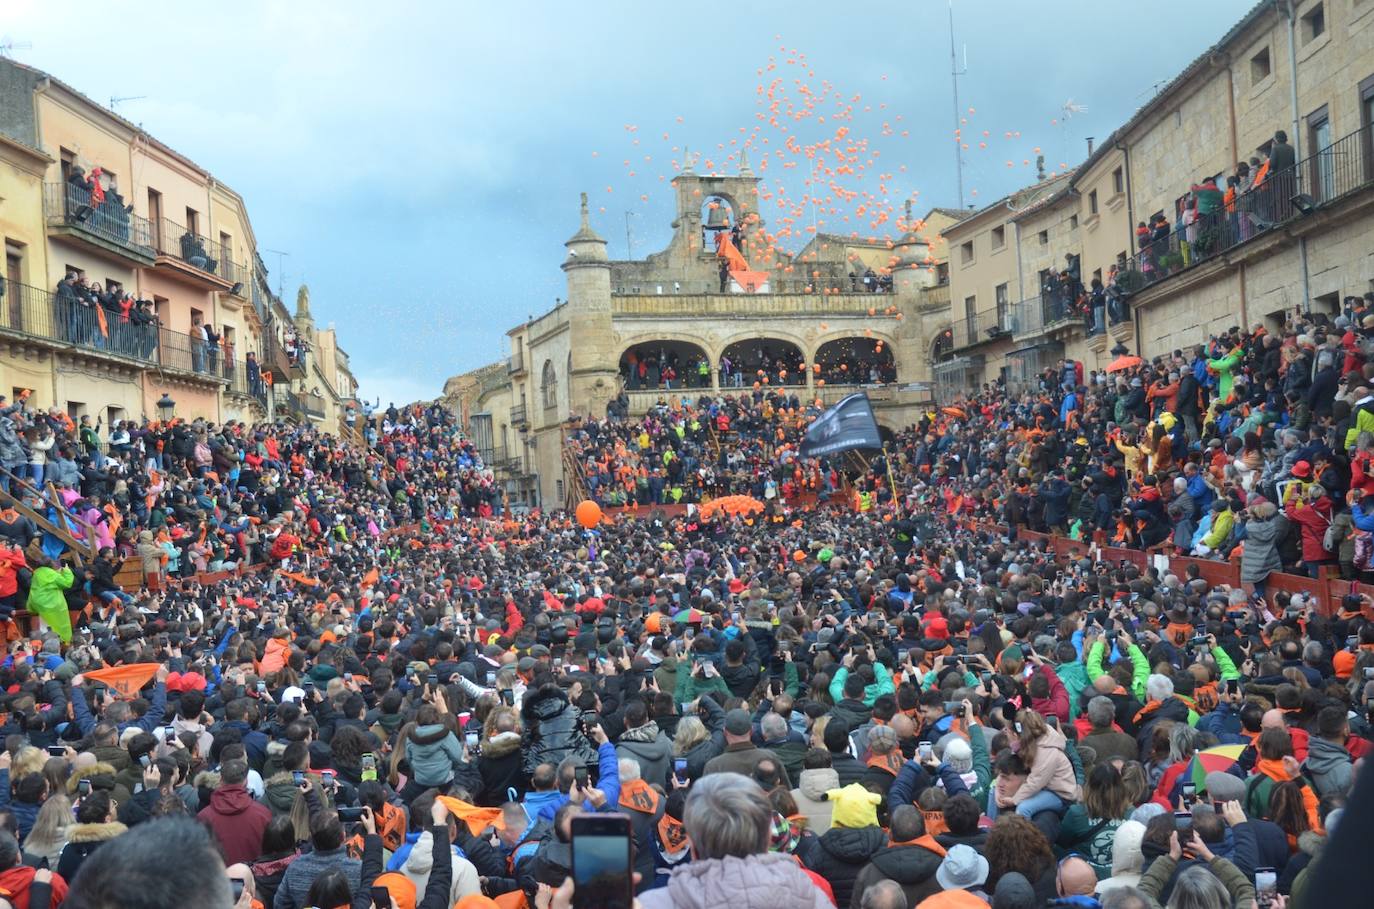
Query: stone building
[(1299, 242), (800, 322)]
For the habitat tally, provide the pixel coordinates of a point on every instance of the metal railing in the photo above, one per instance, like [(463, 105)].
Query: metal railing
[(70, 206), (37, 313), (173, 240), (1341, 168), (515, 363), (242, 384), (519, 414), (982, 327), (311, 404)]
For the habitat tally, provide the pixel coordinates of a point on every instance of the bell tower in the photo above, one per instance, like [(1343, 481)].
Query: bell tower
[(707, 203), (592, 353)]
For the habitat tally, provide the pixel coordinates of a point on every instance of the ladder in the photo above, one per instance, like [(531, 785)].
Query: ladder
[(574, 483), (79, 547)]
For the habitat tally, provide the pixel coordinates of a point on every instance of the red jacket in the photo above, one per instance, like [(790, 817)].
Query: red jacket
[(237, 822), (15, 883), (1312, 520), (1057, 704)]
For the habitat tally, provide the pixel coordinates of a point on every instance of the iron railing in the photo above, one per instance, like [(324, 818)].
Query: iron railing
[(824, 285), (37, 313), (311, 404), (70, 206), (241, 383), (519, 414), (982, 327), (175, 241), (1344, 167), (515, 363)]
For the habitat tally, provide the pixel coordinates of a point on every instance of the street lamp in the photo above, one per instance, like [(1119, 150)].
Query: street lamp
[(166, 407)]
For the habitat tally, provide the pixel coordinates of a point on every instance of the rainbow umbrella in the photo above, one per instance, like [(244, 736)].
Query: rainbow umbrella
[(1219, 759), (690, 616)]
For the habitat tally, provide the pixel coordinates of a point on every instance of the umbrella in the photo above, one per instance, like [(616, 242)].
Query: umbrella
[(1220, 758), (957, 412), (1125, 361), (690, 617)]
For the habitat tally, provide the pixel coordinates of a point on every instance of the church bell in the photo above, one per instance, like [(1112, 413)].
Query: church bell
[(717, 219)]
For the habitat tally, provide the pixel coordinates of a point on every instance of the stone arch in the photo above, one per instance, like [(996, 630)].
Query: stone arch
[(682, 355), (548, 385), (853, 359), (942, 345), (770, 360)]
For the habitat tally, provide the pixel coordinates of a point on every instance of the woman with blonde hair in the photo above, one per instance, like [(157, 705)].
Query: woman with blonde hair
[(694, 744), (49, 833)]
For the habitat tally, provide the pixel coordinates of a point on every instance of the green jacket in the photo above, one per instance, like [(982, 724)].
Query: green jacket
[(1240, 888), (1225, 665), (689, 688), (1139, 663), (882, 685), (1075, 679), (48, 603), (982, 765)]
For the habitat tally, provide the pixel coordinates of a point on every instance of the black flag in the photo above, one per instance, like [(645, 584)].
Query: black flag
[(849, 424)]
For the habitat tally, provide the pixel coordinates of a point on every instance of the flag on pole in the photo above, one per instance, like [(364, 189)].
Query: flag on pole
[(848, 424)]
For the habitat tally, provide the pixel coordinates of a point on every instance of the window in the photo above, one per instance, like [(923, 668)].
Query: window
[(1121, 259), (1044, 238), (1002, 304), (14, 276), (155, 216), (1097, 274), (941, 272), (1314, 23), (1323, 175), (970, 319), (1260, 68), (548, 385), (1367, 125), (114, 415), (1073, 222), (192, 221), (226, 245), (1119, 181), (76, 410), (1092, 202), (999, 236), (966, 252)]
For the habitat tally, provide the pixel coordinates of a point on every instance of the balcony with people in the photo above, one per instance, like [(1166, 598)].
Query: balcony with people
[(197, 260), (84, 209)]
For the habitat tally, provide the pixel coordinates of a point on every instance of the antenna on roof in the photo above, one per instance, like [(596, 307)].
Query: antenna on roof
[(116, 100), (955, 71), (8, 46)]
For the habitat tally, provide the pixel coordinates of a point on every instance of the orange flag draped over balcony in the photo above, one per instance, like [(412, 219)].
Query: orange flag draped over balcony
[(126, 680), (100, 319), (97, 191)]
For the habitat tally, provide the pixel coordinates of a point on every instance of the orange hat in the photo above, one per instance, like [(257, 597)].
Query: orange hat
[(799, 556), (400, 888), (653, 622)]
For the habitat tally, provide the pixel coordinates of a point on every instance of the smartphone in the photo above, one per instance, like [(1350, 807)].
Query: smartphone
[(558, 664), (580, 775), (925, 750), (986, 677), (1266, 885), (433, 679), (348, 676), (680, 770), (1189, 792), (368, 762), (601, 862), (350, 815), (1233, 686), (381, 898), (236, 885), (491, 680), (144, 761), (169, 732), (57, 750), (508, 697), (297, 777), (262, 687), (472, 740), (308, 683), (83, 788)]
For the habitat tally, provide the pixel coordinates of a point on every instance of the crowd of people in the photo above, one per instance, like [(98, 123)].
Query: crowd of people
[(394, 693), (688, 450)]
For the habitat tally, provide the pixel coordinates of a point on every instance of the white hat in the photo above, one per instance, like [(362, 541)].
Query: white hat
[(291, 693)]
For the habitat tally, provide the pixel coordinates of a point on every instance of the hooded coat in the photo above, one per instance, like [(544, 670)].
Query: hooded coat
[(82, 840), (432, 752), (237, 822), (650, 749), (911, 865), (839, 854), (552, 730), (419, 862), (810, 796), (1329, 766), (499, 767), (758, 882), (1261, 554)]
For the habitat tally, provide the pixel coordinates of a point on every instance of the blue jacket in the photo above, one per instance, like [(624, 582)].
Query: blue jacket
[(398, 858), (608, 782), (148, 722)]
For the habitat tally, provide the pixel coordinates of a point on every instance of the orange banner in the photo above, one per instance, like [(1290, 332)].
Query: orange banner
[(477, 819), (125, 680), (372, 577)]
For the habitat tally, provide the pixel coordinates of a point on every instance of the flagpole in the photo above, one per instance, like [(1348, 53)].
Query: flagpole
[(887, 461)]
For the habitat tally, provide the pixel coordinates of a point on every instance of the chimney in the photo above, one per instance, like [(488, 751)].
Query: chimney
[(1090, 146)]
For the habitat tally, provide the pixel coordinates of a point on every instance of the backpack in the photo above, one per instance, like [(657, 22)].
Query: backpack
[(1331, 539)]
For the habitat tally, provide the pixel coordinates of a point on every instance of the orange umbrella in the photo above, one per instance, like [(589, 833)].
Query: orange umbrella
[(1125, 361)]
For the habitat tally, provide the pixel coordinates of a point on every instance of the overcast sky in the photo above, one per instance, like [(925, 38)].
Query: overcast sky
[(420, 161)]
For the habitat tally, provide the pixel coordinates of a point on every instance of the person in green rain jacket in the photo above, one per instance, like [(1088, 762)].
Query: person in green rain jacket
[(47, 601), (1223, 367)]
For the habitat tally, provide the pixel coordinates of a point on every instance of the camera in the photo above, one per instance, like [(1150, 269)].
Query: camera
[(954, 708)]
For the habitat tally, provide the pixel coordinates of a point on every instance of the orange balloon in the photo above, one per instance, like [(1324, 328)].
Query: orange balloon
[(588, 513)]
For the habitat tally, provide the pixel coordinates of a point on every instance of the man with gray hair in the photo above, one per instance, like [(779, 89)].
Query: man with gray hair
[(1125, 898), (1106, 740), (883, 895), (729, 821)]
